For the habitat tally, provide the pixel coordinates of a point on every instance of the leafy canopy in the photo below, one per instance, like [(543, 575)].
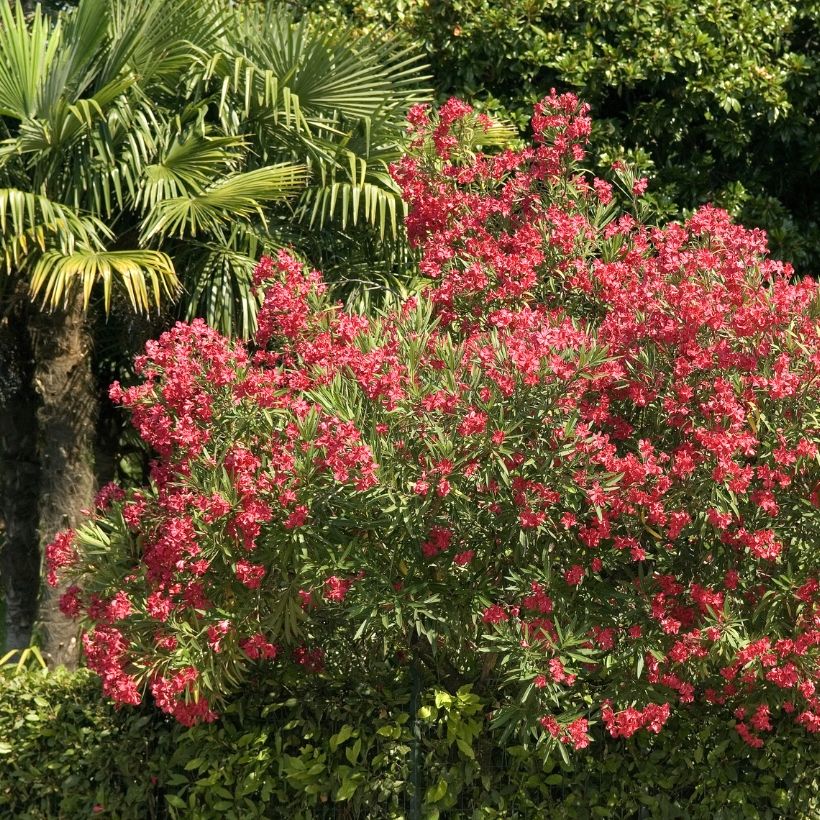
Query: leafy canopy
[(162, 148)]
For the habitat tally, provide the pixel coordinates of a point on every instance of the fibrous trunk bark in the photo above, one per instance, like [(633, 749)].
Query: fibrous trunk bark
[(19, 481), (66, 421)]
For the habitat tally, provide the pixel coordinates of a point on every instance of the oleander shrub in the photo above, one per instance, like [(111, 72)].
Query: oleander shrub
[(578, 471), (365, 751)]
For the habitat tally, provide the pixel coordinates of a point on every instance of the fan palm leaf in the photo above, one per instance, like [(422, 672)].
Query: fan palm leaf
[(217, 273), (154, 38), (329, 95), (28, 51), (147, 277), (221, 287), (188, 164), (239, 195), (44, 66), (30, 221)]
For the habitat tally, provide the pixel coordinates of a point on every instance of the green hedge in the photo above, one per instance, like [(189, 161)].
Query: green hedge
[(64, 753)]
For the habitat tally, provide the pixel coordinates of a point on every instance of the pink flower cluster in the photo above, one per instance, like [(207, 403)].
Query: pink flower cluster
[(628, 721), (174, 696), (710, 388), (60, 553)]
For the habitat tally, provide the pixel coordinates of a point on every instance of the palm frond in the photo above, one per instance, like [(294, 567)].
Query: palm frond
[(333, 72), (82, 42), (29, 221), (498, 135), (217, 274), (28, 50), (247, 89), (146, 276), (208, 130), (344, 201), (187, 165), (220, 287), (106, 170), (64, 122), (239, 195), (332, 96), (350, 189), (154, 38), (361, 268)]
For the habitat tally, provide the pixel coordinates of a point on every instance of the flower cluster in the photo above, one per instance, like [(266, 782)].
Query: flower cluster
[(587, 449), (697, 438)]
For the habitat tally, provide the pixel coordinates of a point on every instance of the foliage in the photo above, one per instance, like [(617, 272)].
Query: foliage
[(154, 151), (582, 464), (716, 100), (63, 750), (156, 148), (331, 752)]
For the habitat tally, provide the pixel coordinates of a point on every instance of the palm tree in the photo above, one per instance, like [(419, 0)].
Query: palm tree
[(151, 150), (278, 91)]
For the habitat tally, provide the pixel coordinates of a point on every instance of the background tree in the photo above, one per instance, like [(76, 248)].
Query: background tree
[(717, 100), (151, 150)]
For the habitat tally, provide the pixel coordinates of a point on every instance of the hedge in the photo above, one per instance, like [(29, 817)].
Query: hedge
[(331, 752)]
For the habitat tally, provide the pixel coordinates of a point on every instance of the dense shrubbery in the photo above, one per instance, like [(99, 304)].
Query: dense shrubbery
[(717, 99), (579, 471), (66, 753)]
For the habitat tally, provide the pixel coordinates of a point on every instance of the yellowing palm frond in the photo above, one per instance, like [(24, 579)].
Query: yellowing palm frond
[(146, 276), (29, 221)]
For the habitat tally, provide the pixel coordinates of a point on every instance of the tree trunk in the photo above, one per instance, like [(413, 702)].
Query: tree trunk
[(19, 481), (66, 420)]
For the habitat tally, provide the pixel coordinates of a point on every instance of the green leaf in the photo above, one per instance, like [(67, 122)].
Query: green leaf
[(347, 789), (465, 748), (352, 752), (435, 793), (340, 737)]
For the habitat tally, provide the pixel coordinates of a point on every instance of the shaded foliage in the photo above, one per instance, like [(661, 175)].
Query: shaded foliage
[(718, 101), (327, 752)]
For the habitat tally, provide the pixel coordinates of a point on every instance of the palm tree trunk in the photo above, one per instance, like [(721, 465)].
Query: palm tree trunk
[(19, 481), (66, 420)]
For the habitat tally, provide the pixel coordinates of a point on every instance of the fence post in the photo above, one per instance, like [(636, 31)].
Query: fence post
[(415, 763)]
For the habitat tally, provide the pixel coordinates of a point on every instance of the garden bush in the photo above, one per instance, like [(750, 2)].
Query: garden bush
[(357, 752), (579, 471), (716, 100)]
